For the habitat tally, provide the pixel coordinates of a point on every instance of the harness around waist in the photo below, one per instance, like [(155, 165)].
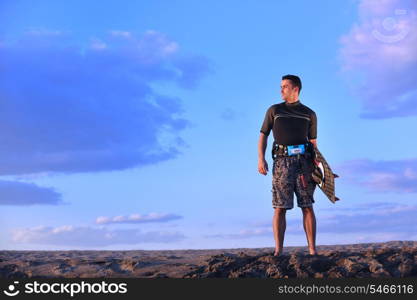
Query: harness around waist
[(290, 150)]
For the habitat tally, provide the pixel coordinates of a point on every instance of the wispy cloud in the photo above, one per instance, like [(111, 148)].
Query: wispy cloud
[(242, 234), (398, 176), (381, 50), (69, 108), (395, 219), (72, 236), (383, 220), (20, 193), (371, 217), (260, 229), (137, 218)]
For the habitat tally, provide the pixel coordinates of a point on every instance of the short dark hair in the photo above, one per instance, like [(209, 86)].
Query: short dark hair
[(295, 80)]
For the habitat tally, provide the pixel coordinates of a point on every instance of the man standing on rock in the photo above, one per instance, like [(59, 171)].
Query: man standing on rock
[(294, 127)]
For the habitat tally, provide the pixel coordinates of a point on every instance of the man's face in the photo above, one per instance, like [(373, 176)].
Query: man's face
[(288, 91)]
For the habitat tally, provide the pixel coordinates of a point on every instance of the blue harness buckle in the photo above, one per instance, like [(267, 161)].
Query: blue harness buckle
[(296, 149)]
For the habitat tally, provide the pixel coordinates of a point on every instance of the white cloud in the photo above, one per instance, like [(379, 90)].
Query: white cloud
[(381, 220), (382, 176), (45, 32), (97, 44), (84, 236), (137, 218), (243, 234), (120, 33), (392, 219)]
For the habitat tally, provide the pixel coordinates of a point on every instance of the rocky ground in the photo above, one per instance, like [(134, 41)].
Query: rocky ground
[(391, 259)]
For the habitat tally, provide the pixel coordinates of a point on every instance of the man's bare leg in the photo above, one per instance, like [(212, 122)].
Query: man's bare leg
[(278, 225), (309, 222)]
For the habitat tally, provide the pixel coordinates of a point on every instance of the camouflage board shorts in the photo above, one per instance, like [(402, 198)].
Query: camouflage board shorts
[(286, 180)]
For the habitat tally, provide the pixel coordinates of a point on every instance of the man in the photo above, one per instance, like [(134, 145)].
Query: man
[(294, 127)]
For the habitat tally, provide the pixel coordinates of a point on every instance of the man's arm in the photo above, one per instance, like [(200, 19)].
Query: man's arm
[(312, 131), (314, 142), (262, 164)]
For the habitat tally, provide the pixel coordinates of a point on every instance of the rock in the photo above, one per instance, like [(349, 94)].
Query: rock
[(336, 272), (12, 271), (274, 271), (407, 268), (395, 259), (160, 275), (352, 266), (377, 269)]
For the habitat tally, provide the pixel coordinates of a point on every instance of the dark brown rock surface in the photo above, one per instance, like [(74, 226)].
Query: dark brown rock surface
[(390, 259)]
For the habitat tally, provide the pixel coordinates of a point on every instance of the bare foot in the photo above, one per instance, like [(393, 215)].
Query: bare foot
[(277, 253), (313, 252)]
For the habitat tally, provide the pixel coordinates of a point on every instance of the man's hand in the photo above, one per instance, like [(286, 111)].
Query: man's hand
[(314, 142), (262, 166)]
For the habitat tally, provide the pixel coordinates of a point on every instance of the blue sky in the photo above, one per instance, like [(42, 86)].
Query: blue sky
[(135, 125)]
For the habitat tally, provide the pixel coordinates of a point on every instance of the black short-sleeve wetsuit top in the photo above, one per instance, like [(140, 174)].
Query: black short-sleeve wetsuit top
[(291, 123)]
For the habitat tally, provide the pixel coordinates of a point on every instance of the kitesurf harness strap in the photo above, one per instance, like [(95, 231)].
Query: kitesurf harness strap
[(284, 150), (291, 150)]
